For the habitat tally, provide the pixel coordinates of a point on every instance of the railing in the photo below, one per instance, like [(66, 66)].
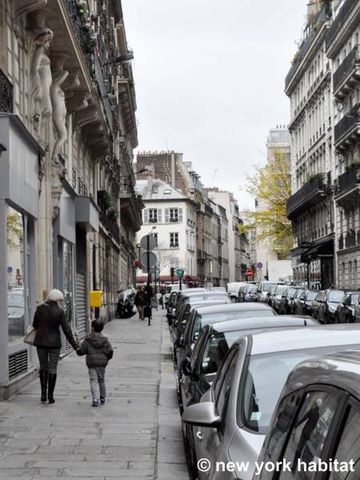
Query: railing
[(104, 93), (307, 195), (350, 239), (82, 34), (347, 124), (339, 20), (6, 94), (306, 44), (346, 67), (348, 180), (110, 225)]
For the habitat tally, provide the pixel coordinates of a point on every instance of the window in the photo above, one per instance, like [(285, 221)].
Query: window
[(224, 380), (174, 239), (311, 428), (153, 215), (174, 215)]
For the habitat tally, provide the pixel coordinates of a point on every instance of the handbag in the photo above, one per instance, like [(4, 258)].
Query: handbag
[(30, 335)]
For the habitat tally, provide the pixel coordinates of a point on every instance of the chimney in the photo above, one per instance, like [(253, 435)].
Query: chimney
[(173, 170)]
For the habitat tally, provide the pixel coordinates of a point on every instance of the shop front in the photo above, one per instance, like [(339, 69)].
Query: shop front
[(20, 160)]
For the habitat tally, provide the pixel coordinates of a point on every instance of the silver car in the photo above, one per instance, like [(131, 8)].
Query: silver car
[(233, 416)]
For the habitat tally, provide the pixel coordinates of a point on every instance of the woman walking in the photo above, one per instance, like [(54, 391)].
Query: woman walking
[(140, 302), (49, 316)]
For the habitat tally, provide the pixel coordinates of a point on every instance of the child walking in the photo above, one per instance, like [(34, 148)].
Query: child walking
[(98, 351)]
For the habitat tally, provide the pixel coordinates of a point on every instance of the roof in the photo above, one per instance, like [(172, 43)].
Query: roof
[(302, 338), (158, 190), (341, 369), (279, 321), (233, 307)]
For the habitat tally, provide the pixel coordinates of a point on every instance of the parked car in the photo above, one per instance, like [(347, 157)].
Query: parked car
[(326, 304), (264, 289), (251, 294), (345, 312), (271, 294), (288, 299), (233, 290), (199, 371), (304, 302), (277, 298), (16, 313), (233, 416), (327, 391)]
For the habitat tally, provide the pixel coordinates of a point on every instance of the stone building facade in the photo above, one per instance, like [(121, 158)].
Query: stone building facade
[(68, 209)]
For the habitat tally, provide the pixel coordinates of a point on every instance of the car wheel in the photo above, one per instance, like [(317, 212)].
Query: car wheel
[(190, 454)]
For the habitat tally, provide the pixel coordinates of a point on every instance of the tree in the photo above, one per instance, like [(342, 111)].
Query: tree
[(14, 229), (271, 187)]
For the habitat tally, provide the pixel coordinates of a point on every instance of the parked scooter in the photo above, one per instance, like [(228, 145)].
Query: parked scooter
[(125, 305)]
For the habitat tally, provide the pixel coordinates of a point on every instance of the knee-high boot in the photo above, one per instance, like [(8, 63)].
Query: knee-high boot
[(51, 387), (43, 374)]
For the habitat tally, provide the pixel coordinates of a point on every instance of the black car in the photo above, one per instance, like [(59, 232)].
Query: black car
[(345, 312), (286, 305), (304, 302), (326, 304), (278, 297)]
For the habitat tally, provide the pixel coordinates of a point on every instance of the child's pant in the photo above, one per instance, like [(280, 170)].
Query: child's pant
[(97, 382)]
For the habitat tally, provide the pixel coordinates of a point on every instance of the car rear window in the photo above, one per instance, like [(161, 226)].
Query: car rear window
[(336, 296)]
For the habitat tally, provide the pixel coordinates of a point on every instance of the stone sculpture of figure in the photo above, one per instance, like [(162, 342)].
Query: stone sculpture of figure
[(40, 74), (59, 111)]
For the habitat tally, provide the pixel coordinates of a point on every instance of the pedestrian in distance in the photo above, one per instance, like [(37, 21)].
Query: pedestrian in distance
[(98, 351), (48, 319), (148, 313), (140, 302)]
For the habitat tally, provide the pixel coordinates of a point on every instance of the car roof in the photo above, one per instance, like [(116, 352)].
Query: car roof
[(340, 369), (233, 307), (302, 338), (205, 303), (264, 322)]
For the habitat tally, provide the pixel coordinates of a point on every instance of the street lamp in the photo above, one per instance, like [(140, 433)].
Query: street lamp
[(121, 59)]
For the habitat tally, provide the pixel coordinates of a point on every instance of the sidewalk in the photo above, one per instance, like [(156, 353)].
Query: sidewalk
[(135, 435)]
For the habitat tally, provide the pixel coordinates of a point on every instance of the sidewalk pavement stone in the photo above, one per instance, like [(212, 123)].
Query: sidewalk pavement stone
[(136, 435)]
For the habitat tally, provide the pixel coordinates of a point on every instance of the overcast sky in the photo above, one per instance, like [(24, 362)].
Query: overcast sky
[(209, 79)]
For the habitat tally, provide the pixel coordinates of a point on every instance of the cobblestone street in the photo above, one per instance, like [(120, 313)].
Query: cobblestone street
[(135, 435)]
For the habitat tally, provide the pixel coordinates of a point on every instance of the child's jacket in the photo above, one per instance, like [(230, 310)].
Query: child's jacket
[(98, 350)]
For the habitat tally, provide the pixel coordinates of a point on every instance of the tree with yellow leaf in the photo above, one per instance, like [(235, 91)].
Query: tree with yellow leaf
[(14, 229), (271, 187)]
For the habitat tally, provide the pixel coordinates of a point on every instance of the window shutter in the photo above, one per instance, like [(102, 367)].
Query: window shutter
[(180, 215), (159, 214), (146, 215), (167, 213)]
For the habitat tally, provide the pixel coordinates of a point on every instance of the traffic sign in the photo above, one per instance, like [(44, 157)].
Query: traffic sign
[(148, 256), (9, 269), (259, 266), (180, 272), (249, 272), (148, 242)]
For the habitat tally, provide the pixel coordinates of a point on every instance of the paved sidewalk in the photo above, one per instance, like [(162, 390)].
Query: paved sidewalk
[(135, 435)]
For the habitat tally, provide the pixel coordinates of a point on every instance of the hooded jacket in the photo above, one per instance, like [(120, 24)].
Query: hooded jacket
[(98, 350), (47, 321)]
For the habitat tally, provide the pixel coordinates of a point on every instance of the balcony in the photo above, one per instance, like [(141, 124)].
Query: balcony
[(131, 205), (348, 73), (311, 193), (349, 240), (347, 187), (306, 45), (87, 213), (339, 21), (348, 128), (6, 94)]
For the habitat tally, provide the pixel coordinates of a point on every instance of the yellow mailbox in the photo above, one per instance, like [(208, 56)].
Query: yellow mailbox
[(95, 298)]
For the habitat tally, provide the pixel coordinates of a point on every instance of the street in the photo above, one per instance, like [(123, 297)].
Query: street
[(135, 435)]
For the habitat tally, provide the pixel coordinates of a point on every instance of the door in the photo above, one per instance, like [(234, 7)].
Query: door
[(80, 306)]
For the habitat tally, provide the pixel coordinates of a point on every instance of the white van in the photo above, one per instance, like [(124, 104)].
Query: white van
[(233, 290)]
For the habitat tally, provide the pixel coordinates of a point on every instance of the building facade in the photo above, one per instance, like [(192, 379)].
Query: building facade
[(310, 207), (342, 50), (169, 216), (67, 132)]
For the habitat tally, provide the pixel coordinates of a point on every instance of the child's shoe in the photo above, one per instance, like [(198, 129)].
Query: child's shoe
[(95, 402), (102, 400)]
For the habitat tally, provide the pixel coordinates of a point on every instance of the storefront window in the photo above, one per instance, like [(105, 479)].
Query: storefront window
[(16, 275)]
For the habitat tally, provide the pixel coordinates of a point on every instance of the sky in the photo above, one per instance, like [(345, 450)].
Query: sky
[(209, 77)]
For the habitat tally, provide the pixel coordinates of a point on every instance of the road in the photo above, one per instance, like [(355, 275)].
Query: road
[(136, 435)]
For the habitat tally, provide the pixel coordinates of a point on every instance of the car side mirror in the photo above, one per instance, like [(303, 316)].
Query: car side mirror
[(185, 367), (202, 414)]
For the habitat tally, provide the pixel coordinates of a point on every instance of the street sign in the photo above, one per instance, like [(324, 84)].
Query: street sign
[(148, 242), (249, 272), (144, 260), (180, 272), (259, 266), (9, 269)]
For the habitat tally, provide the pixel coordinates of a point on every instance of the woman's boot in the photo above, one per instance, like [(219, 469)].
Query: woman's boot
[(51, 387), (43, 374)]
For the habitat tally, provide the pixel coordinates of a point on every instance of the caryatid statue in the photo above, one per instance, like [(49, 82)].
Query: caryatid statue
[(59, 111)]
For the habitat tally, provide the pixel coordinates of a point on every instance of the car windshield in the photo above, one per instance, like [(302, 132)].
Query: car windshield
[(336, 296), (311, 295), (252, 289), (291, 292), (265, 378), (15, 300), (266, 287), (354, 300), (210, 318), (280, 289)]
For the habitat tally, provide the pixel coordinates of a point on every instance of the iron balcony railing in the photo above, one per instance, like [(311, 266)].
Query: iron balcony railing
[(306, 44), (346, 68), (308, 195), (81, 32), (347, 181), (6, 94), (339, 20), (347, 125)]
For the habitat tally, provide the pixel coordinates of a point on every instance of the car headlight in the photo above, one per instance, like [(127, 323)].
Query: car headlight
[(332, 309)]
